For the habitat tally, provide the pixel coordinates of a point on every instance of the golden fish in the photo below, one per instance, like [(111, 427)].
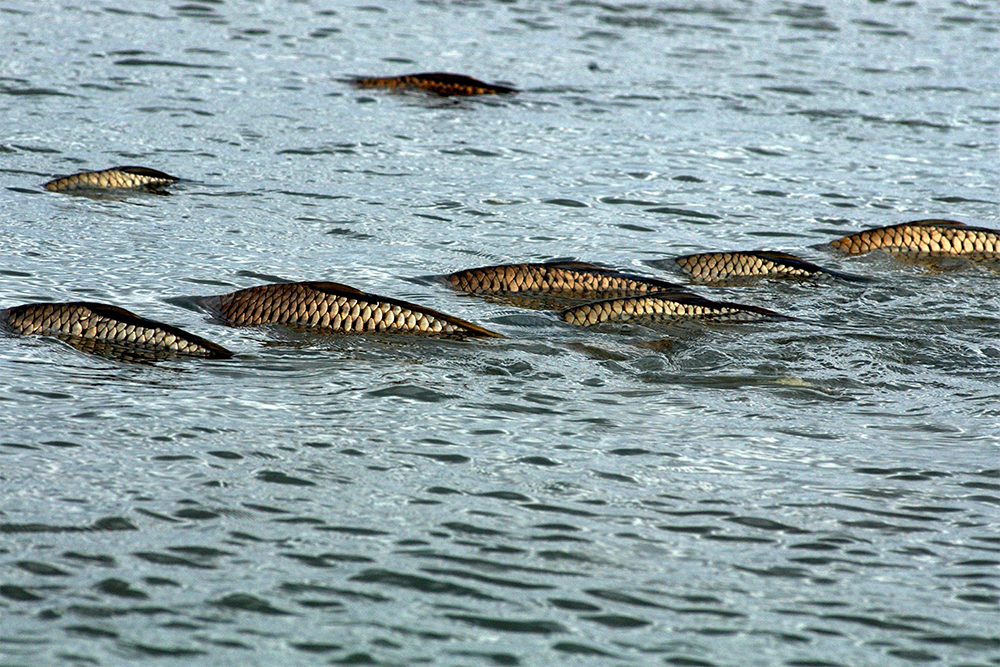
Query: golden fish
[(132, 178), (724, 267), (566, 280), (332, 308), (108, 330), (441, 83), (664, 308), (925, 238)]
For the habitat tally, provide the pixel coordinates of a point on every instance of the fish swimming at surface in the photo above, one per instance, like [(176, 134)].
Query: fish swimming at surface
[(110, 331), (441, 83), (116, 178), (664, 308), (572, 280), (925, 238), (724, 267), (327, 307)]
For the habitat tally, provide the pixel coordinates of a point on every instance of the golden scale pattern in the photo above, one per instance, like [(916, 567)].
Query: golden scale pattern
[(660, 308), (114, 178), (441, 83), (578, 280), (925, 238), (341, 309), (106, 323), (335, 308), (720, 266)]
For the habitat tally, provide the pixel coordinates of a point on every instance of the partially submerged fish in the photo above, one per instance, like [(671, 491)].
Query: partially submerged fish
[(663, 308), (121, 178), (568, 280), (108, 330), (441, 83), (333, 308), (925, 238), (723, 267)]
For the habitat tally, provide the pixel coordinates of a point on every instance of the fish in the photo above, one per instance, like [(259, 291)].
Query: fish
[(738, 266), (116, 178), (925, 238), (326, 307), (664, 307), (107, 330), (441, 83), (565, 280)]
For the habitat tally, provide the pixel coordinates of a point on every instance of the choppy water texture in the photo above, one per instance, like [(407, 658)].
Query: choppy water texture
[(813, 492)]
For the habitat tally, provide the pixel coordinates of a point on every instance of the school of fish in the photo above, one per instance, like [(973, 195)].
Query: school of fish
[(580, 293)]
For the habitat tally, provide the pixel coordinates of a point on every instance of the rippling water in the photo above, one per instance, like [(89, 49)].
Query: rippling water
[(816, 492)]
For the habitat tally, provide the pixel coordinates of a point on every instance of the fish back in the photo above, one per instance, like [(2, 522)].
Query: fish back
[(664, 307), (925, 238), (128, 177), (334, 308), (86, 321), (569, 279), (717, 267), (441, 83)]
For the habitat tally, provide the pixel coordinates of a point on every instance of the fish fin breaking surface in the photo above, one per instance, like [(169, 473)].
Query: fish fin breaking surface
[(116, 178), (741, 266), (925, 238), (328, 307), (573, 280), (664, 308), (441, 83), (108, 330)]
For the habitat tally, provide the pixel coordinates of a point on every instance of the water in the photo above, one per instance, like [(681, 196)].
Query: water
[(817, 492)]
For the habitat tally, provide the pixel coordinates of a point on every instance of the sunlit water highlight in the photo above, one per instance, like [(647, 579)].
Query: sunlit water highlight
[(823, 491)]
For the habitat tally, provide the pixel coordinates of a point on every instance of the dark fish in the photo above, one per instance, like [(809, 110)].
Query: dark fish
[(664, 307), (565, 280), (116, 178), (925, 238), (333, 308), (724, 267), (108, 330), (441, 83)]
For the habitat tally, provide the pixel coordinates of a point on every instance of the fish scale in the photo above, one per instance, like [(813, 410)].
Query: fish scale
[(925, 238), (75, 321), (717, 267), (441, 83), (663, 308), (334, 308), (114, 178), (571, 279)]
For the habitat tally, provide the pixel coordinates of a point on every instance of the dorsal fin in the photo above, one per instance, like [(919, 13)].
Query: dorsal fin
[(785, 258), (144, 171), (933, 223), (128, 317), (688, 299), (571, 264), (692, 299), (334, 288)]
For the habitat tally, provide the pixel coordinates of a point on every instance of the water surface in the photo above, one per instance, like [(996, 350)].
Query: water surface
[(823, 491)]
